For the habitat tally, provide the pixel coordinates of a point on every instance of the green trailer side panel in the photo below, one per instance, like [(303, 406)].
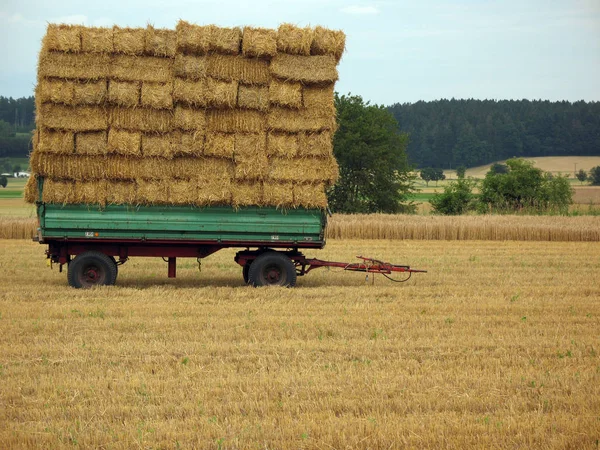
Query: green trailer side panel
[(218, 223)]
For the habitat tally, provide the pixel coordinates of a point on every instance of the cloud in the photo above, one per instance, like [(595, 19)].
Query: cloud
[(356, 10)]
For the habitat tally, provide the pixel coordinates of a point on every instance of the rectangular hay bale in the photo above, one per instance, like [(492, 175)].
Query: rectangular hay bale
[(94, 143), (190, 92), (315, 144), (183, 192), (192, 39), (253, 97), (121, 193), (189, 119), (124, 143), (279, 195), (124, 93), (214, 191), (155, 192), (259, 42), (129, 41), (84, 66), (238, 68), (221, 94), (90, 192), (157, 95), (160, 42), (192, 143), (294, 121), (328, 42), (236, 120), (62, 38), (58, 191), (284, 93), (282, 144), (225, 40), (189, 66), (250, 155), (304, 170), (306, 69), (54, 91), (310, 196), (97, 40), (141, 119), (319, 99), (220, 145), (294, 40), (61, 142), (162, 145), (72, 118), (89, 93), (247, 194), (141, 68)]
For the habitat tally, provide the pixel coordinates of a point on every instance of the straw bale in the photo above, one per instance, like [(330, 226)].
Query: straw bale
[(193, 39), (121, 193), (54, 91), (304, 170), (157, 95), (94, 143), (141, 68), (124, 93), (294, 40), (62, 38), (250, 154), (237, 120), (319, 99), (294, 121), (310, 196), (191, 144), (151, 168), (72, 118), (221, 94), (328, 42), (30, 192), (124, 142), (141, 119), (129, 41), (259, 42), (155, 192), (163, 145), (216, 191), (84, 66), (204, 169), (189, 92), (189, 119), (253, 97), (316, 144), (89, 93), (220, 145), (183, 192), (68, 167), (238, 68), (282, 144), (58, 191), (247, 194), (160, 42), (121, 167), (224, 40), (97, 40), (307, 69), (279, 195), (90, 192), (190, 66), (285, 93)]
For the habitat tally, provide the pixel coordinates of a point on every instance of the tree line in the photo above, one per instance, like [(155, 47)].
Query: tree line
[(452, 133)]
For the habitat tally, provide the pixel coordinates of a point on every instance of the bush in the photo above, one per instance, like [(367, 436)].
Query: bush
[(595, 176), (3, 181), (456, 199)]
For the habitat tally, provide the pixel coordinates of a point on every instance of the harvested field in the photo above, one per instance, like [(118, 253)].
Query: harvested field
[(496, 347)]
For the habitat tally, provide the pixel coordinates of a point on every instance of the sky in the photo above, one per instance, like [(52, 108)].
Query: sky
[(396, 51)]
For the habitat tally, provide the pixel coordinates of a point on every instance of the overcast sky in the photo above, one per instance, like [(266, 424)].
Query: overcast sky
[(396, 51)]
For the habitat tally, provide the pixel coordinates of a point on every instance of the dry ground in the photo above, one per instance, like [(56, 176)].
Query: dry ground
[(565, 165), (496, 347)]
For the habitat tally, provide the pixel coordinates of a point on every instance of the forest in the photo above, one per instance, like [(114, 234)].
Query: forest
[(17, 119), (452, 133)]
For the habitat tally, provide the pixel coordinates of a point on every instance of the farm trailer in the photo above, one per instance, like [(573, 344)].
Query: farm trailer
[(94, 241)]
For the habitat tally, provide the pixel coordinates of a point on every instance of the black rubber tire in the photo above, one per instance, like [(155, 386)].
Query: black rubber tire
[(272, 269), (90, 269), (245, 271), (116, 265)]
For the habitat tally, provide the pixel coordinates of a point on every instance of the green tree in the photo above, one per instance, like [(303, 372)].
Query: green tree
[(456, 199), (5, 165), (461, 171), (525, 187), (17, 168), (371, 152), (595, 175), (499, 168), (3, 181), (430, 174), (582, 175)]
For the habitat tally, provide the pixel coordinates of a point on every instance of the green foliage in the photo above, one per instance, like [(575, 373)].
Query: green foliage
[(430, 174), (461, 171), (5, 165), (456, 199), (499, 168), (582, 175), (3, 181), (371, 153), (17, 168), (595, 176), (524, 188)]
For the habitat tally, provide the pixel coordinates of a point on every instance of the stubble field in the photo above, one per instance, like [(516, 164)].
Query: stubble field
[(496, 347)]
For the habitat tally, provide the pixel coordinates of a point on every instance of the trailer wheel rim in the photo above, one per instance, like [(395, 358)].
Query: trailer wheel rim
[(273, 274), (92, 275)]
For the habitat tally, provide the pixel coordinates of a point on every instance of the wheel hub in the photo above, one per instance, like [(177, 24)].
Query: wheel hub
[(273, 275)]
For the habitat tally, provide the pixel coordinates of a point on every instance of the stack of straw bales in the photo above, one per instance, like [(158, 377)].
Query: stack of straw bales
[(199, 115)]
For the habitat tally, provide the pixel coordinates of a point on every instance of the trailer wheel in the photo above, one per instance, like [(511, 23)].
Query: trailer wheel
[(245, 271), (112, 258), (91, 269), (272, 269)]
